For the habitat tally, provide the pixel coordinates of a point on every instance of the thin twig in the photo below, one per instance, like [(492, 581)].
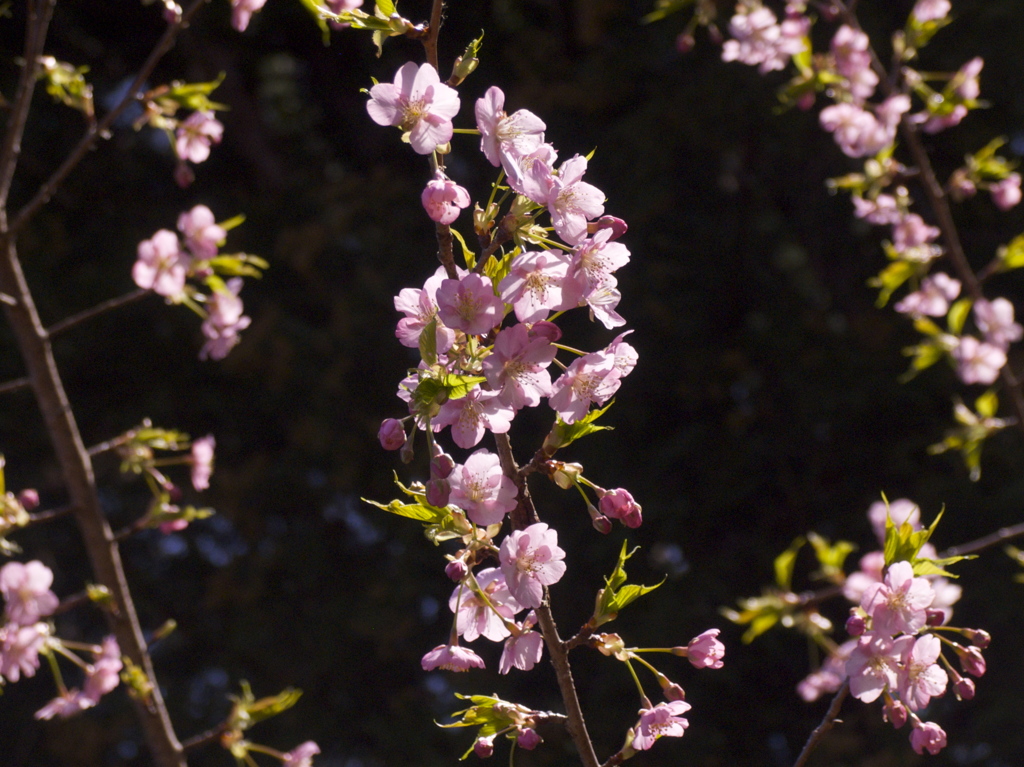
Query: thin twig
[(88, 314), (16, 385), (50, 514), (101, 129), (204, 738), (826, 724), (994, 539)]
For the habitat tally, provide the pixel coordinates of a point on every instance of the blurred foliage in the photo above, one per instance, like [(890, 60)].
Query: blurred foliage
[(766, 401)]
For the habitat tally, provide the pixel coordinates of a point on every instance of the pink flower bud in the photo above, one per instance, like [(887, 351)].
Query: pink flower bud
[(438, 492), (617, 225), (601, 523), (391, 434), (528, 739), (673, 691), (29, 499), (456, 570), (443, 199), (895, 713), (441, 466), (855, 624), (978, 637), (685, 42), (1006, 193), (619, 504), (935, 617), (971, 660), (484, 747), (407, 453), (964, 689), (705, 651), (545, 329)]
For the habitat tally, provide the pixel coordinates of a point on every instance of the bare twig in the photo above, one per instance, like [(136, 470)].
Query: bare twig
[(101, 129), (826, 724), (51, 514), (204, 738), (88, 314), (16, 385), (988, 541)]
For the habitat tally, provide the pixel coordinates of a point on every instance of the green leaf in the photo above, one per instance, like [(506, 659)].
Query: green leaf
[(759, 625), (317, 11), (958, 315), (785, 562), (890, 278), (665, 8), (986, 405), (467, 254), (1012, 255), (386, 8), (459, 386), (616, 595), (830, 556), (428, 342), (418, 511), (563, 434), (196, 95)]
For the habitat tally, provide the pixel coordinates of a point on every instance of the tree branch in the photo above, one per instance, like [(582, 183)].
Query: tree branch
[(826, 724), (88, 314), (16, 385)]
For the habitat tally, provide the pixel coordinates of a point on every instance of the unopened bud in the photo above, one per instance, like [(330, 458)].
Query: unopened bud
[(28, 499), (935, 617), (438, 491), (617, 226), (528, 739), (463, 68), (441, 466), (484, 747), (685, 42), (979, 638), (407, 453), (565, 475), (391, 434), (964, 689), (456, 570), (601, 523), (895, 713), (671, 690), (855, 624), (971, 660)]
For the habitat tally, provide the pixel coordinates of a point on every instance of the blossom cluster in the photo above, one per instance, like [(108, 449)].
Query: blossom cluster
[(25, 635), (166, 261)]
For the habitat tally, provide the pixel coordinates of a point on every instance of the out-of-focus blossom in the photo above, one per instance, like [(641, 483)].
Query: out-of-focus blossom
[(202, 461), (224, 322), (161, 266), (196, 134), (26, 592)]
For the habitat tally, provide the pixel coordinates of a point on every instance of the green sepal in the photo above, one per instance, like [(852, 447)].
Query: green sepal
[(563, 434), (617, 594), (786, 562), (958, 315), (196, 95), (248, 710)]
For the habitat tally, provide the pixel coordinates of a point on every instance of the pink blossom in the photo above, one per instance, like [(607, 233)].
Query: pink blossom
[(475, 617), (391, 434), (420, 309), (829, 677), (931, 10), (853, 61), (927, 736), (971, 660), (920, 677), (302, 755), (473, 415), (900, 510), (26, 590), (483, 746), (341, 6), (443, 199), (531, 559), (664, 720), (531, 175), (202, 461), (224, 321), (872, 667), (705, 651), (104, 674), (528, 739), (995, 320), (479, 488), (469, 304), (572, 202), (760, 41), (857, 131), (912, 233), (1006, 194), (591, 378), (978, 361), (202, 234), (417, 102), (594, 260), (523, 650), (67, 704), (201, 129), (619, 504), (965, 82), (883, 209), (19, 649), (534, 284), (517, 366), (451, 658), (161, 266), (935, 123), (871, 570), (504, 138), (898, 605), (932, 298)]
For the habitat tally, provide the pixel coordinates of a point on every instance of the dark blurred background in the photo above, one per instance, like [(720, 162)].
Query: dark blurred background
[(765, 404)]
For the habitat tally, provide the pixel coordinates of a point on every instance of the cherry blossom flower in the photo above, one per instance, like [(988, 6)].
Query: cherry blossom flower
[(531, 175), (67, 704), (161, 266), (932, 298), (705, 651), (522, 651), (927, 736), (900, 510), (760, 41), (469, 304), (104, 674), (26, 591), (504, 138), (197, 133), (391, 434), (590, 378), (451, 658), (417, 102), (442, 198), (920, 678), (853, 61), (224, 321), (534, 284), (912, 233), (995, 320), (857, 131), (479, 488), (202, 461), (664, 720), (1006, 194), (202, 234), (619, 504), (931, 10), (829, 678), (965, 81), (302, 755), (572, 202), (420, 309), (517, 367), (938, 123), (531, 559), (593, 261), (19, 649), (528, 738), (871, 667), (872, 566), (882, 210), (473, 415), (898, 605), (978, 361), (475, 617)]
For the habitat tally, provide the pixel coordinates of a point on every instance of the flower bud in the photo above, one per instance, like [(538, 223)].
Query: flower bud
[(407, 452), (671, 690), (855, 624), (705, 651), (391, 434), (685, 42), (565, 475), (441, 466), (935, 617), (545, 329), (971, 660), (438, 491), (978, 637), (895, 713), (456, 570), (601, 523), (964, 689), (528, 739), (463, 68), (484, 747), (29, 499), (619, 504), (617, 225)]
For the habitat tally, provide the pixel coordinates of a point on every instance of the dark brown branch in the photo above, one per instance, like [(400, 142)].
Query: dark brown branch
[(101, 129), (204, 738), (50, 514), (826, 724), (88, 314), (994, 539), (16, 385), (433, 30)]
